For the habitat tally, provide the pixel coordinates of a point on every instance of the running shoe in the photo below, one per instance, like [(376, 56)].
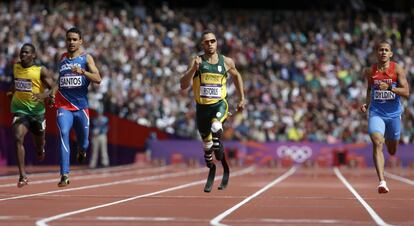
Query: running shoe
[(81, 156), (22, 181), (41, 155), (382, 187), (64, 181)]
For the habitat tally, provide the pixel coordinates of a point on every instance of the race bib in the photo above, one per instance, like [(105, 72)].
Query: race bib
[(383, 95), (23, 85), (210, 91), (70, 81)]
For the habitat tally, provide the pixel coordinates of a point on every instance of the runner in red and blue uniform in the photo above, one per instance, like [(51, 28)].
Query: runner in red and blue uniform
[(387, 82), (76, 71)]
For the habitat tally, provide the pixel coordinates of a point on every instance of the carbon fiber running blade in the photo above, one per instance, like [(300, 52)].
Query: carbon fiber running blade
[(226, 174), (210, 179)]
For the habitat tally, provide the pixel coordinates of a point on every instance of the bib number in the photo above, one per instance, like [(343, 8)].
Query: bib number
[(23, 85), (384, 95), (70, 81), (210, 91)]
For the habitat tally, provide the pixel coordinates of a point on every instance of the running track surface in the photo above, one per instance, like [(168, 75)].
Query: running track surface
[(173, 195)]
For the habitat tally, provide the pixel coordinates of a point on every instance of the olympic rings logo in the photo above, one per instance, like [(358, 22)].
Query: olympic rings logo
[(296, 153)]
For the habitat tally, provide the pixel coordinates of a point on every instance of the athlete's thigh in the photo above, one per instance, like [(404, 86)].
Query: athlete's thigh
[(81, 122), (220, 112), (203, 120), (393, 129), (376, 125), (20, 125), (64, 120), (37, 124)]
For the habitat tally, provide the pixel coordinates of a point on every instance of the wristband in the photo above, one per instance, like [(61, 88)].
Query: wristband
[(389, 88)]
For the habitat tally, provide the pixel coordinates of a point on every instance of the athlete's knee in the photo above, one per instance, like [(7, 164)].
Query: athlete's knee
[(207, 145), (64, 132), (377, 140), (392, 150), (392, 147), (84, 146), (19, 140), (40, 144), (216, 129)]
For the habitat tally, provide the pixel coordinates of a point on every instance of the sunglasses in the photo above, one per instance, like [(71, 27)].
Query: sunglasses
[(211, 41)]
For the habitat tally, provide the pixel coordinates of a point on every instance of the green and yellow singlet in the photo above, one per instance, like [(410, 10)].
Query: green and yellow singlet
[(27, 82), (209, 82)]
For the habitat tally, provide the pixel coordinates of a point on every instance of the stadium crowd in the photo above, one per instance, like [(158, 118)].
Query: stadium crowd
[(302, 70)]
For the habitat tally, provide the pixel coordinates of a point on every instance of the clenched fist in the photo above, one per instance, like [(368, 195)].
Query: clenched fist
[(363, 108), (384, 86), (197, 62)]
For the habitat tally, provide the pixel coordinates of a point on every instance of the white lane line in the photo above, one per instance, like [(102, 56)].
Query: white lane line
[(135, 218), (160, 176), (399, 178), (265, 220), (16, 217), (304, 221), (378, 220), (117, 219), (7, 217), (218, 197), (216, 220), (44, 221), (91, 176), (79, 171)]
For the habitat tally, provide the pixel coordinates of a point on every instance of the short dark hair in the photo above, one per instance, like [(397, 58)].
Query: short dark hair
[(33, 49), (383, 41), (74, 30), (207, 31)]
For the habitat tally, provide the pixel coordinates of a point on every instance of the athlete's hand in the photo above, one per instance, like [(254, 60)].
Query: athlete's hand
[(197, 62), (383, 86), (51, 101), (240, 105), (39, 96), (9, 95), (363, 108), (78, 70)]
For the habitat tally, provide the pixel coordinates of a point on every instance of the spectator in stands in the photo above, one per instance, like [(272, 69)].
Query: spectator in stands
[(99, 140), (298, 72)]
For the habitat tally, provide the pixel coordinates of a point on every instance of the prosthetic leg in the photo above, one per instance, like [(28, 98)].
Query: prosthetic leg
[(217, 147), (226, 174), (218, 150), (208, 157)]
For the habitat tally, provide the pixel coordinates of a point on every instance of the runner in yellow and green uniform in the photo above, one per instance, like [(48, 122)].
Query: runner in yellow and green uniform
[(208, 74), (27, 105)]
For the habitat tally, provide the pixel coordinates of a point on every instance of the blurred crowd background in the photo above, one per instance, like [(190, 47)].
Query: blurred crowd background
[(301, 68)]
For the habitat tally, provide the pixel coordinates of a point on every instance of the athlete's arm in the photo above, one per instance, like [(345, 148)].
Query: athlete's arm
[(185, 81), (47, 78), (402, 89), (93, 73), (367, 73), (237, 80), (10, 92), (48, 81)]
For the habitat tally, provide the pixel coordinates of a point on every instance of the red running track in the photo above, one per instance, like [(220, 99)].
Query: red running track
[(173, 195)]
